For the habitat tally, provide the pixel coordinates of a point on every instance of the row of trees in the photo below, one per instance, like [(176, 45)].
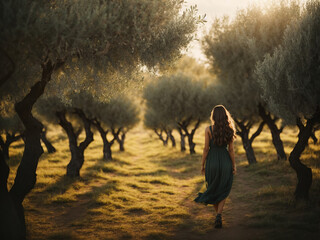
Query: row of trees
[(11, 130), (176, 102), (39, 39), (83, 111), (267, 64)]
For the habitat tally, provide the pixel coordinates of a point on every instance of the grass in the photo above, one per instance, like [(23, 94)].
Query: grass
[(147, 192)]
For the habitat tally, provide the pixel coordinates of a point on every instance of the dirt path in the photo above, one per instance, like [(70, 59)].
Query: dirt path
[(237, 210), (236, 213)]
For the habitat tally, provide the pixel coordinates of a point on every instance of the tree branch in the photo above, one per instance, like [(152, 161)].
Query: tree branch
[(195, 127), (254, 135), (87, 127)]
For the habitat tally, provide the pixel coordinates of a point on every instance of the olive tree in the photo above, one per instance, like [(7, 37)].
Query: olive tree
[(180, 100), (40, 38), (289, 78), (161, 125), (121, 116), (72, 117), (117, 116), (233, 49)]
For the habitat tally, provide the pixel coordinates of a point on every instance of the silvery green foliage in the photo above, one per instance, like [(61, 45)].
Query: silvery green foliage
[(176, 98), (290, 76), (155, 121), (234, 47), (83, 100), (47, 106), (192, 68), (102, 34), (119, 112), (103, 85)]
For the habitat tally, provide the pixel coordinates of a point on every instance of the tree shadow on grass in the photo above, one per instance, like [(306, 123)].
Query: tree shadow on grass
[(63, 236), (60, 186), (81, 212), (181, 166)]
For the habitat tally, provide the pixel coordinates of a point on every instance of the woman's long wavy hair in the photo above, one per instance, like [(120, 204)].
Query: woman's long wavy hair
[(223, 126)]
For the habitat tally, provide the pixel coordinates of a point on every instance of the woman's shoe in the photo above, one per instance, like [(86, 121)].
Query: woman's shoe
[(218, 222)]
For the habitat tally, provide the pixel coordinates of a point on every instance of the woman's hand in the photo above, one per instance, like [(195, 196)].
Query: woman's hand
[(234, 170), (203, 170)]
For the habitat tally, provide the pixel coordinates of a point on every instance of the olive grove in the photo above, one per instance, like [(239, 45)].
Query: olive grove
[(41, 39)]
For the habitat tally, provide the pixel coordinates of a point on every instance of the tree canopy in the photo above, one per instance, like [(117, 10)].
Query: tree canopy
[(111, 34), (289, 78), (179, 100), (233, 48)]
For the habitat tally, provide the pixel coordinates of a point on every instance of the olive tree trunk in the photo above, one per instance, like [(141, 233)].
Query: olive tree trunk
[(182, 140), (171, 137), (120, 140), (184, 126), (119, 135), (160, 135), (243, 131), (12, 223), (107, 153), (77, 152), (304, 173), (12, 213), (275, 132)]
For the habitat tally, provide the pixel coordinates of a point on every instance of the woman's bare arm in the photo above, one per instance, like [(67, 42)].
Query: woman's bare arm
[(231, 153), (205, 149)]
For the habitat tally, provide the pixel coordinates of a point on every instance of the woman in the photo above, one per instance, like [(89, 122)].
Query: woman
[(218, 162)]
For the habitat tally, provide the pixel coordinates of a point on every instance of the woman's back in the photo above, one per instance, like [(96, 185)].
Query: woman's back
[(217, 161), (211, 143)]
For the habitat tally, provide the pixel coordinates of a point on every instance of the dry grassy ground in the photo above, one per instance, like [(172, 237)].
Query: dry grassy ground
[(147, 192)]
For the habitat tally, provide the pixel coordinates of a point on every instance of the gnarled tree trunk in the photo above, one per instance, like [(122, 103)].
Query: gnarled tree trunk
[(12, 224), (243, 132), (12, 213), (184, 126), (304, 173), (182, 140), (77, 152), (171, 137), (160, 135), (107, 153), (275, 132), (120, 139)]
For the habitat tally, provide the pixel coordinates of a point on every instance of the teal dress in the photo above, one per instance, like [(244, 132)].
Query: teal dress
[(218, 174)]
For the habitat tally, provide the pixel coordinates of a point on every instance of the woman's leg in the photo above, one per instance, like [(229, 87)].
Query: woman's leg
[(220, 206), (215, 207)]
